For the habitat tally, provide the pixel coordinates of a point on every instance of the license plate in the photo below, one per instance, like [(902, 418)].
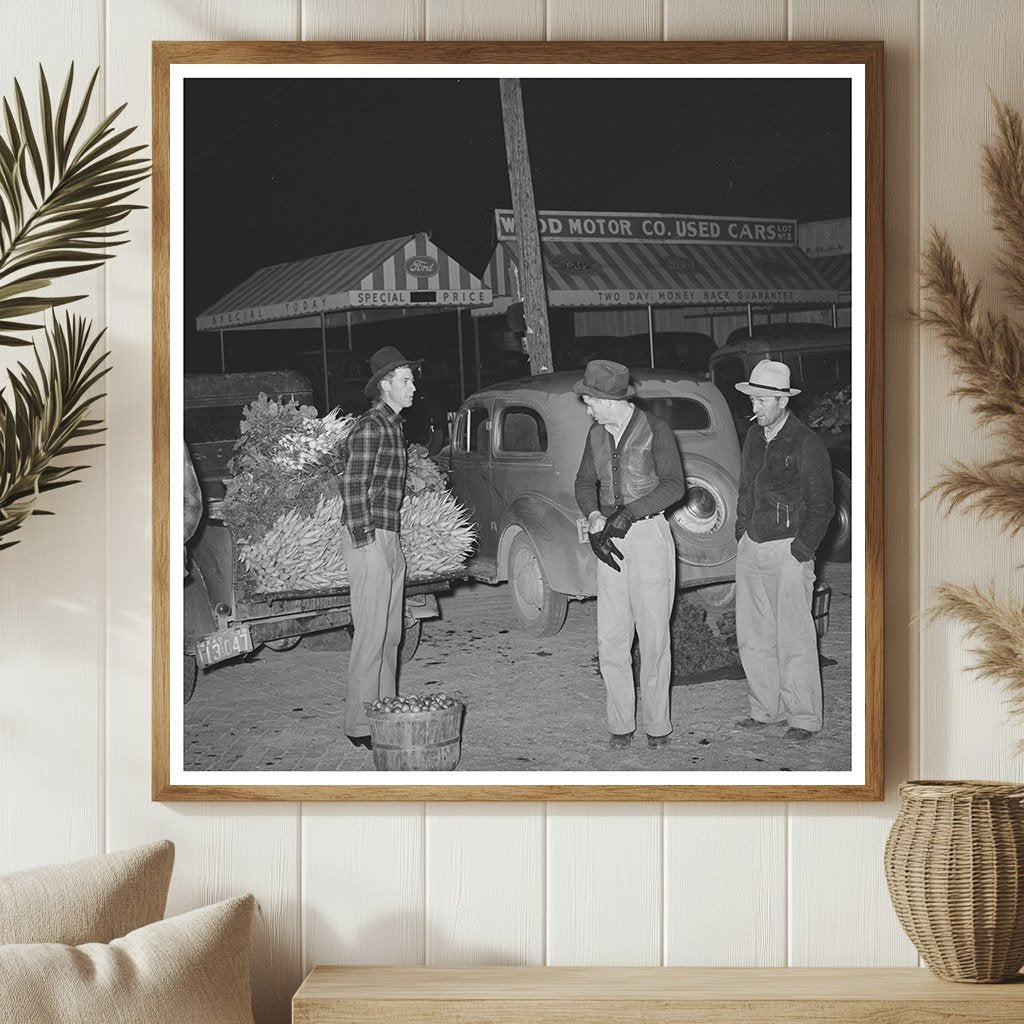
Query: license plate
[(228, 643), (583, 531)]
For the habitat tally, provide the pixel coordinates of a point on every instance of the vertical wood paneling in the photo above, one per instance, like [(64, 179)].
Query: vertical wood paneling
[(363, 884), (221, 848), (583, 19), (363, 19), (484, 881), (51, 582), (725, 885), (836, 852), (484, 19), (604, 884), (727, 19), (965, 52)]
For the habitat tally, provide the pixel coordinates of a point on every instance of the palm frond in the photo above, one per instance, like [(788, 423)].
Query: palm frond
[(45, 418), (62, 191)]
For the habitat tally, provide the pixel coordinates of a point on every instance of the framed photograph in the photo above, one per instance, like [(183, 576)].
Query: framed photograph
[(517, 421)]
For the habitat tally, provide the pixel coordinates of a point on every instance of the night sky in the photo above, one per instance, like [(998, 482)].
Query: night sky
[(280, 169)]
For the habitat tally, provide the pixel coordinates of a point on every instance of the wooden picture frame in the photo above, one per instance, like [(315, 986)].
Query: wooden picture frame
[(858, 63)]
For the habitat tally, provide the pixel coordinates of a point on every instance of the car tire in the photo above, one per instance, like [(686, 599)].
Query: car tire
[(838, 542), (537, 609), (718, 595), (284, 643), (189, 677), (410, 641)]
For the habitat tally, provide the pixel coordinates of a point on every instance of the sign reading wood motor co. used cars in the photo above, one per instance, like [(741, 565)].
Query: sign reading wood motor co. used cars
[(575, 226)]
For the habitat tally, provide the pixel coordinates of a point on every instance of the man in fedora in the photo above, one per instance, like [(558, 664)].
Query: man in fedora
[(372, 486), (629, 474), (784, 508)]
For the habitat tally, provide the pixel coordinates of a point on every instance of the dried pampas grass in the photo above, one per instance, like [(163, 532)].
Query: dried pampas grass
[(987, 354)]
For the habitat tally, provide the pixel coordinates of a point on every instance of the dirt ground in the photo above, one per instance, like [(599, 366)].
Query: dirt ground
[(532, 704)]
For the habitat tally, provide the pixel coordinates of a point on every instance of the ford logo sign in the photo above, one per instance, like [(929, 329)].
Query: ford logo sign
[(681, 264), (421, 266), (575, 265)]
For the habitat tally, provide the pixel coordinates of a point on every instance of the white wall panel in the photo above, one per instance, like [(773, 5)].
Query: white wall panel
[(363, 884), (583, 19), (836, 852), (221, 847), (604, 884), (52, 615), (484, 883), (485, 19), (966, 51), (727, 19), (363, 19), (725, 885)]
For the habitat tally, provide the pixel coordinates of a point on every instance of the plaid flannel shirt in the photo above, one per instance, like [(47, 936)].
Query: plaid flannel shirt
[(373, 481)]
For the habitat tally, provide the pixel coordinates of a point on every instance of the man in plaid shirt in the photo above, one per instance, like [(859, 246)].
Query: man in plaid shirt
[(372, 486)]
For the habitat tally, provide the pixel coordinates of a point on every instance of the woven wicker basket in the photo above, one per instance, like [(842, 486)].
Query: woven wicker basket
[(954, 861)]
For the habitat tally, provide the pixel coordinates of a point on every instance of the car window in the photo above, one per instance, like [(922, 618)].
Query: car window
[(522, 431), (826, 367), (212, 423), (472, 430), (678, 413)]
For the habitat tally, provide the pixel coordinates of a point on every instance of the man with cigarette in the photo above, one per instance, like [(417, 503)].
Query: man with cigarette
[(629, 474), (784, 508)]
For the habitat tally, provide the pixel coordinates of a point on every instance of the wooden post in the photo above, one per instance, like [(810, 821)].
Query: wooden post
[(650, 332), (223, 368), (538, 335), (462, 359), (476, 350), (323, 353)]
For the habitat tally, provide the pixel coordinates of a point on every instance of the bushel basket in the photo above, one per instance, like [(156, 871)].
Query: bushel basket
[(954, 862), (417, 741)]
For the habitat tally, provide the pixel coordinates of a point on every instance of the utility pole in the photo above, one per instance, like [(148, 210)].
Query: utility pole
[(535, 300)]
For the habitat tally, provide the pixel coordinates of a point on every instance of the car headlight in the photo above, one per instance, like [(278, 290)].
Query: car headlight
[(703, 510)]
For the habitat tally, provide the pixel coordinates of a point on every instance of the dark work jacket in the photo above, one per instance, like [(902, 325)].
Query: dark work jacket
[(785, 488), (643, 473)]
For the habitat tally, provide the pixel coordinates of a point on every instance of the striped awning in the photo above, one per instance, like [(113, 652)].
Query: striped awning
[(837, 270), (398, 274), (591, 273)]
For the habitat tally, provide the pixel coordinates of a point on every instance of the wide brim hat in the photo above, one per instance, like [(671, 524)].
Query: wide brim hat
[(769, 379), (382, 362), (605, 379)]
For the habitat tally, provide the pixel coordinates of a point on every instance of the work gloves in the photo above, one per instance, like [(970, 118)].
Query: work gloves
[(605, 549), (619, 523)]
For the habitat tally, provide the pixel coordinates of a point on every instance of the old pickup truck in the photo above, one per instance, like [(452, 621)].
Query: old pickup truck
[(221, 621)]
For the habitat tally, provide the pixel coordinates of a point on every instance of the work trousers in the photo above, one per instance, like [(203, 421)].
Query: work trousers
[(638, 599), (777, 640), (376, 575)]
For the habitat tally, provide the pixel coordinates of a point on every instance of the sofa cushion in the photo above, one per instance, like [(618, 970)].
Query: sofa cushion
[(190, 969), (92, 900)]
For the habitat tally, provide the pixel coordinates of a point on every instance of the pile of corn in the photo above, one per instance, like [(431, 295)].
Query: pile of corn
[(302, 551)]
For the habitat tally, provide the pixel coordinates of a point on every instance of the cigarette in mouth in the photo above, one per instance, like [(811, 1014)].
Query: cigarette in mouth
[(754, 417)]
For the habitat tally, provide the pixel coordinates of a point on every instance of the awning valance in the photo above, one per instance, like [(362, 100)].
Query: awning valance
[(591, 273), (397, 274)]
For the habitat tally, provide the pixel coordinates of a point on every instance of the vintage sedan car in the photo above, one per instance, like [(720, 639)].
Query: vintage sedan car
[(515, 451)]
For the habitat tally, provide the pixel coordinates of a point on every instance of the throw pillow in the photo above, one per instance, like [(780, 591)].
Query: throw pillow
[(190, 969), (92, 900)]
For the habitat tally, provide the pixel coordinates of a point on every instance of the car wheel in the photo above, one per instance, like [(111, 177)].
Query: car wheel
[(284, 643), (836, 546), (410, 641), (537, 609), (718, 595), (189, 677)]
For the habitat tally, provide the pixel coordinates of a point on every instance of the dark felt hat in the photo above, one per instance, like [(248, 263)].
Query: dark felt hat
[(382, 362), (605, 379)]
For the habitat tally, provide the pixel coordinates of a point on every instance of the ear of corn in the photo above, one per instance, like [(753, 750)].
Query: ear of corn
[(301, 549)]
